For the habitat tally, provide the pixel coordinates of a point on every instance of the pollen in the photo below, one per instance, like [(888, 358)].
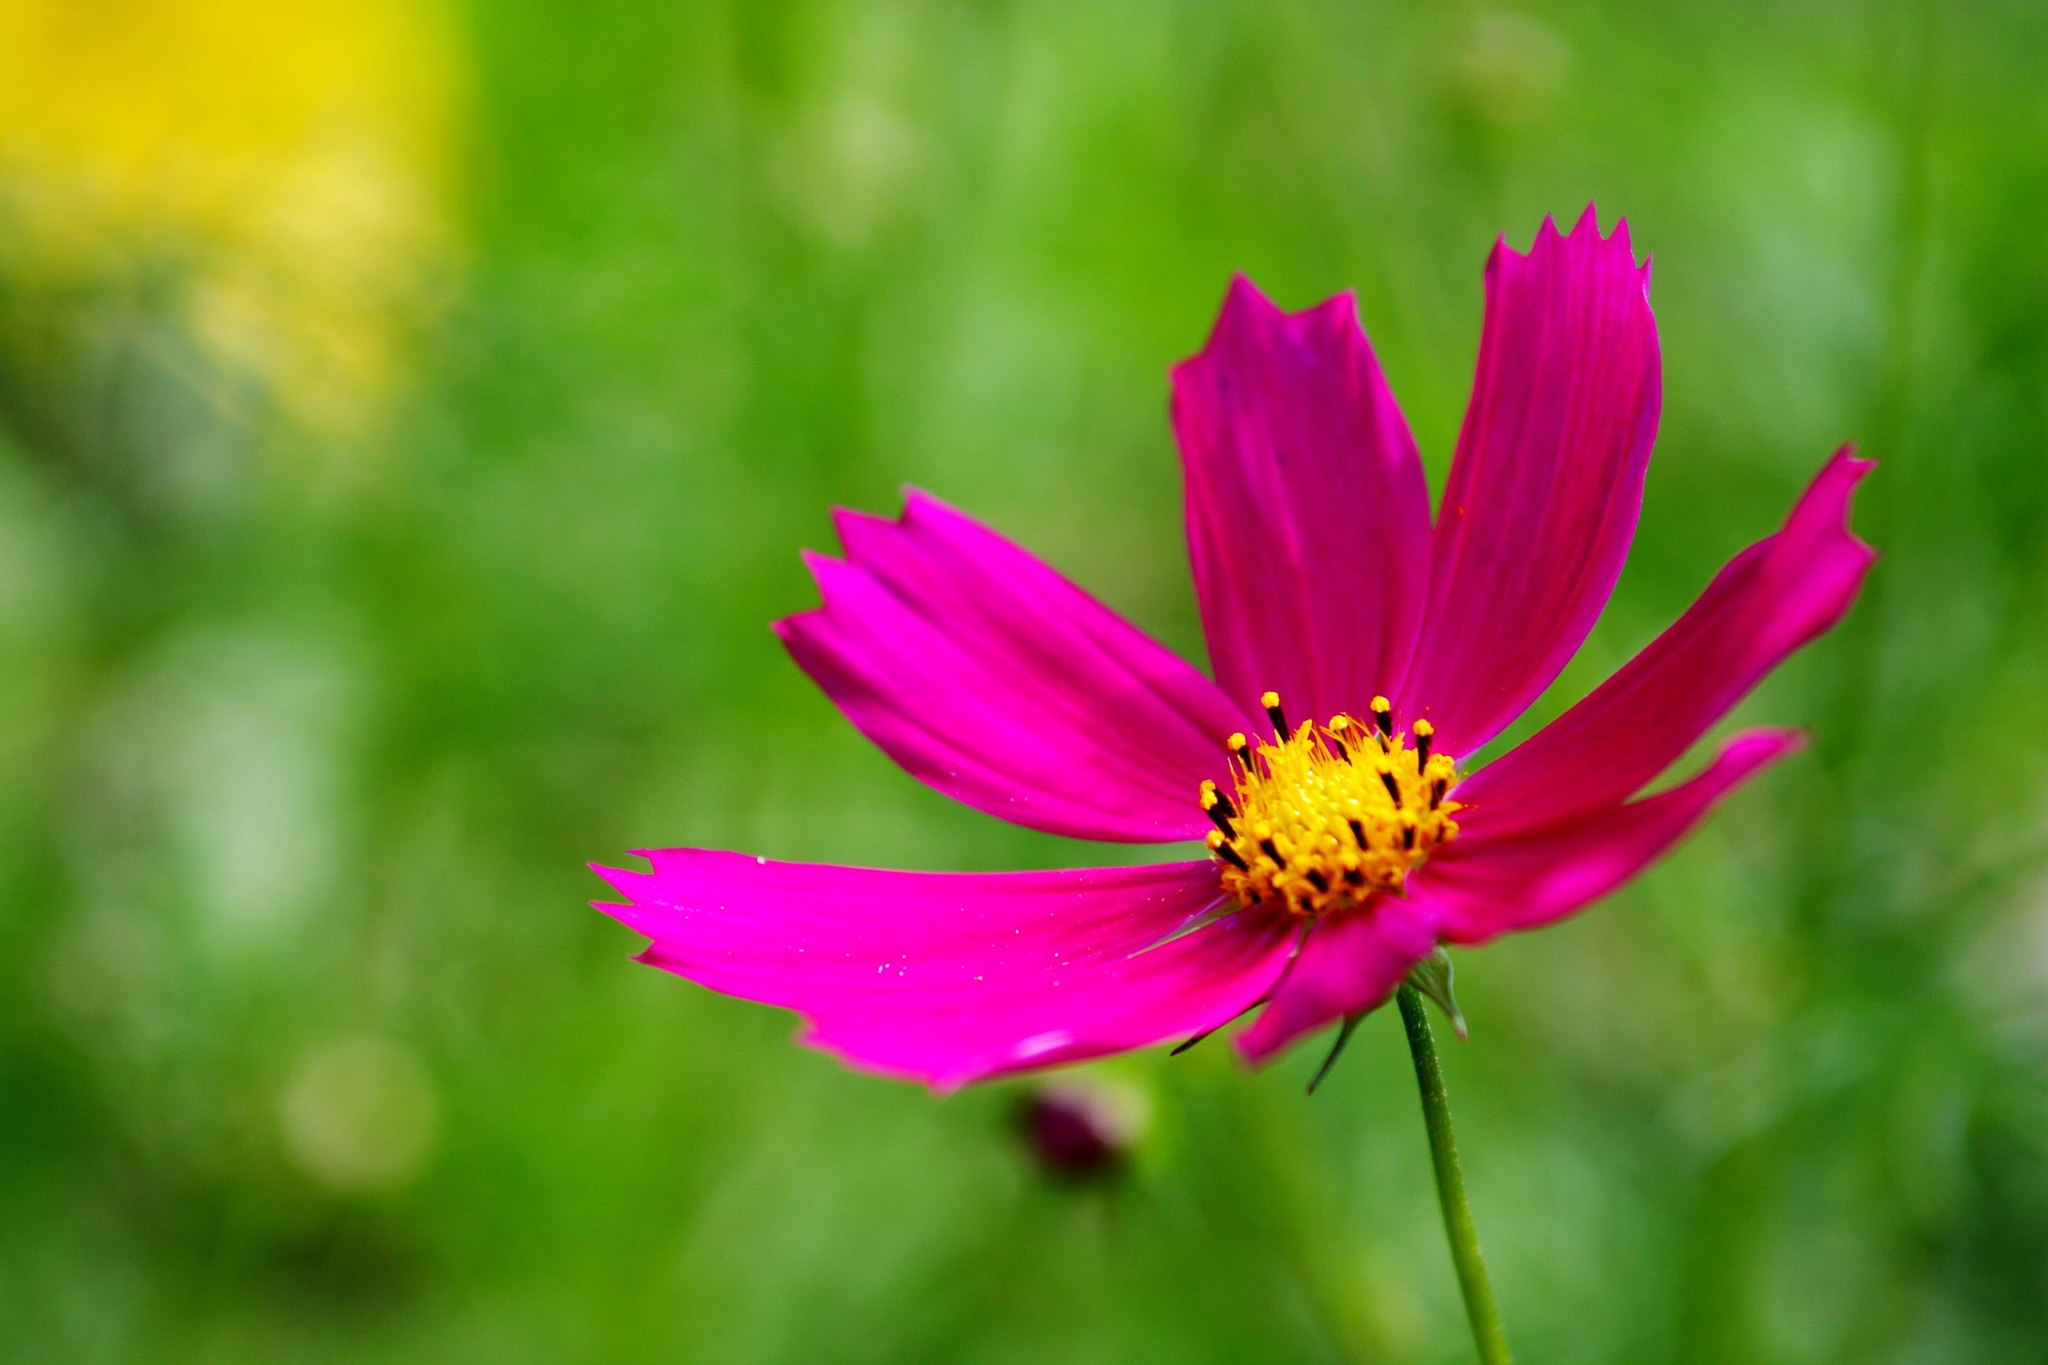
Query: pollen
[(1330, 813)]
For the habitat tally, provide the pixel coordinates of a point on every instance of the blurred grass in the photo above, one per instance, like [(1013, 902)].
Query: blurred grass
[(308, 1049)]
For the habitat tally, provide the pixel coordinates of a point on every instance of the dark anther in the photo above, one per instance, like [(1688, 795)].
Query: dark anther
[(1407, 834), (1436, 793), (1230, 855), (1337, 747), (1383, 717), (1272, 850), (1422, 740), (1358, 833), (1393, 787), (1354, 876), (1317, 879), (1218, 808), (1271, 701)]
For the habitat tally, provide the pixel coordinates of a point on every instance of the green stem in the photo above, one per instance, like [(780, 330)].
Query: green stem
[(1487, 1333)]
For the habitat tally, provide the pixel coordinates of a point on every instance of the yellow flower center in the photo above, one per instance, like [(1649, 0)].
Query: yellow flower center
[(1331, 813)]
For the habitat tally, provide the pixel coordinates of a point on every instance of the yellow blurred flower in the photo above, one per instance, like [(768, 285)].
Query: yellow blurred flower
[(288, 160)]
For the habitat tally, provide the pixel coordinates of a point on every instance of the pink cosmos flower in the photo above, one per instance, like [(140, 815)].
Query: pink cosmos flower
[(1362, 655)]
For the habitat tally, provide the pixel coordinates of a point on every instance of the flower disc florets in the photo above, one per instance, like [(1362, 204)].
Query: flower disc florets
[(1331, 813)]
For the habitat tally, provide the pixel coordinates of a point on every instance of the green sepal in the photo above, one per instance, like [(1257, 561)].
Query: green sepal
[(1336, 1050), (1432, 977)]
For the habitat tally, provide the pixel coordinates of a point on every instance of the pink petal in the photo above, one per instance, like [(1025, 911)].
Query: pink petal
[(950, 978), (1349, 963), (1307, 513), (1769, 600), (1546, 483), (1483, 887), (988, 675)]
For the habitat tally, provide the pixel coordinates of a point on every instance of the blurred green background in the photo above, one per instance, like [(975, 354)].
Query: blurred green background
[(409, 418)]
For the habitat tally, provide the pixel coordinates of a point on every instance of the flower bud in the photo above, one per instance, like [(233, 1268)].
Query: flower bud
[(1081, 1129)]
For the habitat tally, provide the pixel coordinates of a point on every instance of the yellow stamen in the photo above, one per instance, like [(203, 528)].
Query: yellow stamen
[(1314, 826)]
